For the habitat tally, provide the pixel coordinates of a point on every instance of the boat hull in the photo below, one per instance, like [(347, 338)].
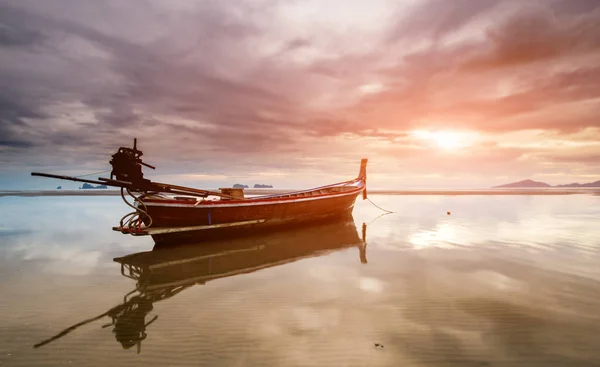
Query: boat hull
[(265, 214)]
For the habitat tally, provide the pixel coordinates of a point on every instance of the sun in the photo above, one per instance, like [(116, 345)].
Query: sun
[(446, 140)]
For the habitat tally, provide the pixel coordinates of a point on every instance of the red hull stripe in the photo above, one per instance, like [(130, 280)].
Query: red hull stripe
[(250, 202)]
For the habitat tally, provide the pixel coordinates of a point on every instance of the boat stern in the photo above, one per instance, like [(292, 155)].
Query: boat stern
[(362, 175)]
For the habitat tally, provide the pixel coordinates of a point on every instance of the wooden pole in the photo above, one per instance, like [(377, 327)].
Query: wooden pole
[(163, 187), (70, 178), (197, 191)]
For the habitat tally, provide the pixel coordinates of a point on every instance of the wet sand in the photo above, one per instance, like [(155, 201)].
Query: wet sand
[(502, 281)]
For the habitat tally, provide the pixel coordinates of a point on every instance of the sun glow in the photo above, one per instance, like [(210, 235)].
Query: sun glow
[(443, 236), (447, 140)]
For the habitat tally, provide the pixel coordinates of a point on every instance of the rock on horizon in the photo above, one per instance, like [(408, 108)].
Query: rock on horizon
[(524, 183)]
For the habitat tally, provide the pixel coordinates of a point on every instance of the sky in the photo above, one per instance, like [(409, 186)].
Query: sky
[(293, 93)]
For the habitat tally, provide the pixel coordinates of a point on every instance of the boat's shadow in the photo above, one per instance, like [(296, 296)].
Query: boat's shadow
[(165, 271)]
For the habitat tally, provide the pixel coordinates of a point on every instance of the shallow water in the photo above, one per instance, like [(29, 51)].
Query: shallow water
[(500, 281)]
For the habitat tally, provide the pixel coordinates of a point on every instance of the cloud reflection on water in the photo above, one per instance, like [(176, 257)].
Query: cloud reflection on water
[(501, 280)]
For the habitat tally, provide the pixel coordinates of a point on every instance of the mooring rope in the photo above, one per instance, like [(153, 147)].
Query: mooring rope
[(377, 206), (376, 218)]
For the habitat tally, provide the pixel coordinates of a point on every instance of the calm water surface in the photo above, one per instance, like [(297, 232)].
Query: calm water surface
[(501, 281)]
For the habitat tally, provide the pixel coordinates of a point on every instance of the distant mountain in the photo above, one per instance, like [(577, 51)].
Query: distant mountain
[(524, 183), (531, 183), (261, 186), (590, 184), (240, 186)]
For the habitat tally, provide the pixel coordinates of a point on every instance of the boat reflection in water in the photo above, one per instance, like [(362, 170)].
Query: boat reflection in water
[(165, 271)]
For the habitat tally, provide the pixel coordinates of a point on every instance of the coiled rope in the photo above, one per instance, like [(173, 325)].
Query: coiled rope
[(133, 220)]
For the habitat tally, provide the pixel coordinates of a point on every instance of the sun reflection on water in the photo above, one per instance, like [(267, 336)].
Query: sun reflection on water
[(444, 235)]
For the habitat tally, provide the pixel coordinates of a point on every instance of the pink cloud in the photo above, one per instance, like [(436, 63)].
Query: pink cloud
[(209, 88)]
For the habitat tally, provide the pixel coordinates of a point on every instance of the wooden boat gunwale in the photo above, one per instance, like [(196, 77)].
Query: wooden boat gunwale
[(285, 198)]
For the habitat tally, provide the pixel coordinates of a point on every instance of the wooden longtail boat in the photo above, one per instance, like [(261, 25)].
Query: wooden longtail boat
[(171, 213), (166, 271)]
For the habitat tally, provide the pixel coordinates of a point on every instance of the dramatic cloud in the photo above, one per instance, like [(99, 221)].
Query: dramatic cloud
[(276, 89)]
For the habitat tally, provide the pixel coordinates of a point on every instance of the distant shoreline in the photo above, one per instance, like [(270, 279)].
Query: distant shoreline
[(530, 184), (446, 192)]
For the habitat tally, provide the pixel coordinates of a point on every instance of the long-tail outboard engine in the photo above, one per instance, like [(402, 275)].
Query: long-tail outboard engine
[(127, 166)]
